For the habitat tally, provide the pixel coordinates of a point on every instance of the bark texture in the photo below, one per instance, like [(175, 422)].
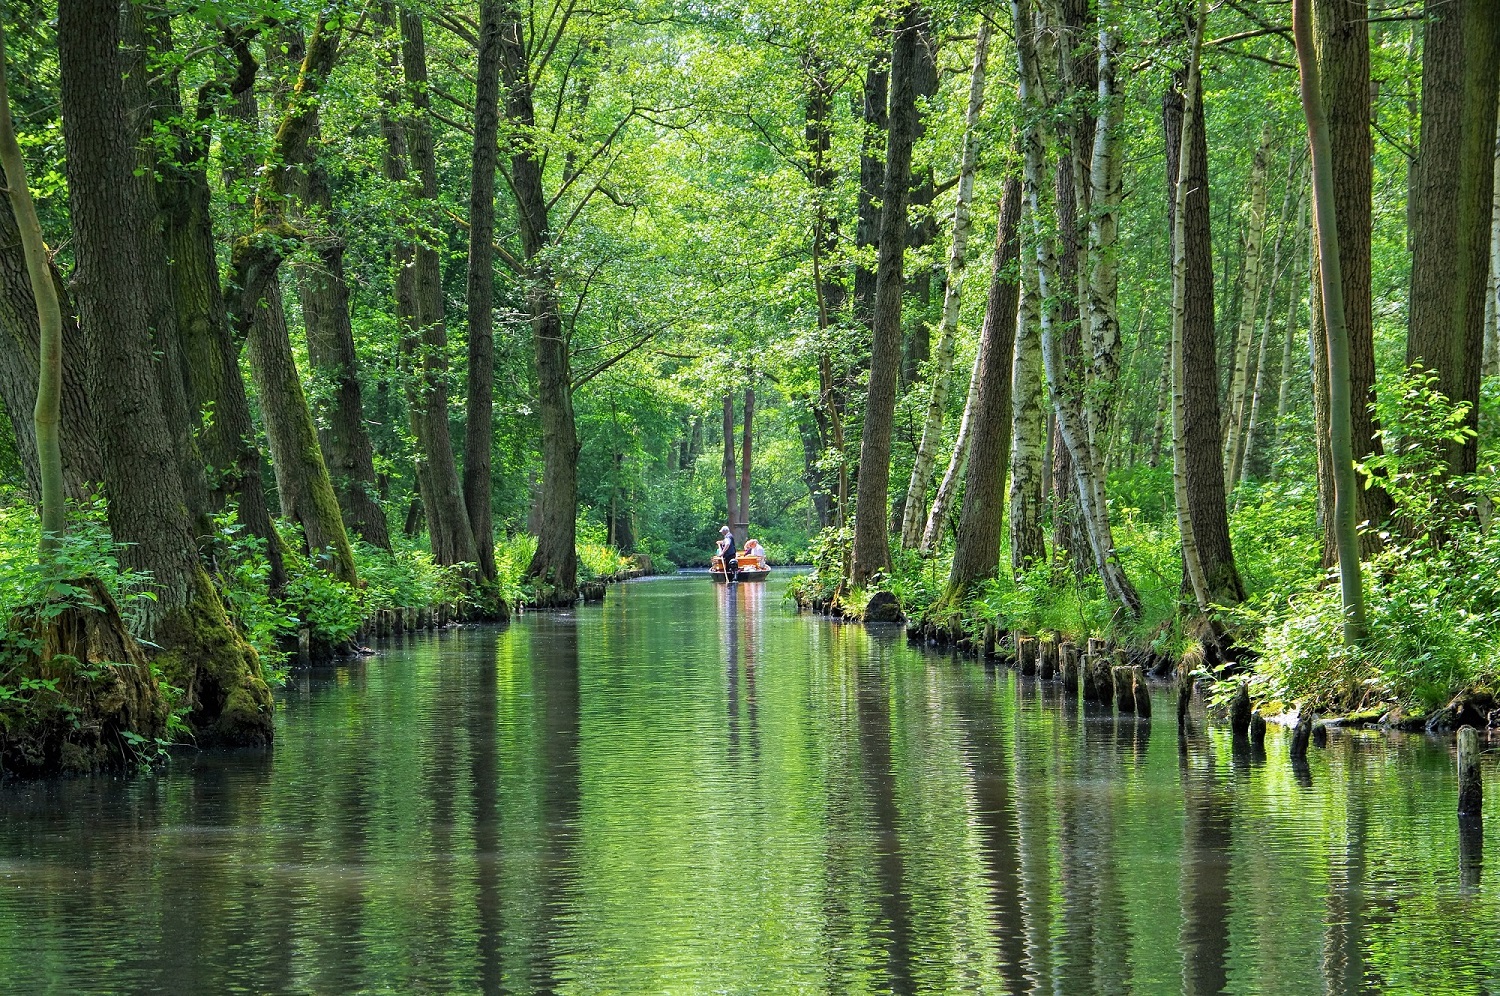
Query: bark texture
[(1028, 545), (872, 554), (976, 553), (1453, 192), (199, 650)]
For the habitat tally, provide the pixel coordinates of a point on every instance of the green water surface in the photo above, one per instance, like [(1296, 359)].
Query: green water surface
[(692, 789)]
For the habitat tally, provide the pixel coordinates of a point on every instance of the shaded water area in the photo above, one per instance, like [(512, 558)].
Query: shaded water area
[(691, 789)]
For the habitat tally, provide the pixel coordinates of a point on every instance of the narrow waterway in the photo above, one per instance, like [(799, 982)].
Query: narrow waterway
[(690, 789)]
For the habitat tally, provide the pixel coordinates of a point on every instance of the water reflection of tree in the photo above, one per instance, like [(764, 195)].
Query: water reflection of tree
[(741, 608), (1204, 889)]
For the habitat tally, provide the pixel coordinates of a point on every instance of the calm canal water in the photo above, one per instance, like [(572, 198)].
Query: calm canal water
[(688, 790)]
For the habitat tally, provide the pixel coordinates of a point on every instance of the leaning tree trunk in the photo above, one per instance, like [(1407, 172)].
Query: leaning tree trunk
[(1234, 416), (46, 416), (1064, 384), (199, 650), (942, 369), (1331, 284), (1341, 34), (555, 563), (348, 451), (976, 552), (1454, 190), (872, 553), (20, 356), (942, 502), (1028, 544), (448, 530), (479, 428)]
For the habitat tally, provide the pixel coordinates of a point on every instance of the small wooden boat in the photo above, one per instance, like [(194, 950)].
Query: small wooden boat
[(751, 569)]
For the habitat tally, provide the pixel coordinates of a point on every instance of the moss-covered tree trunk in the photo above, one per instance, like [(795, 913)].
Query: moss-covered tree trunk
[(148, 513), (214, 385), (976, 552), (1453, 194)]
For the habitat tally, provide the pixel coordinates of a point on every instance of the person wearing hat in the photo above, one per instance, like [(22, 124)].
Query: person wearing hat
[(727, 553)]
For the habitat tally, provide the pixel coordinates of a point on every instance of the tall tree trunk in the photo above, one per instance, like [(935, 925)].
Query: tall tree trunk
[(1454, 194), (211, 357), (46, 418), (303, 484), (872, 553), (942, 372), (1293, 309), (1105, 193), (730, 468), (348, 452), (555, 563), (198, 648), (828, 412), (1028, 545), (448, 528), (976, 553), (1190, 113), (1063, 383), (876, 120), (1341, 35), (1491, 357), (1253, 459), (742, 520), (917, 346), (1332, 286), (1202, 445), (479, 427), (1235, 410), (1163, 406)]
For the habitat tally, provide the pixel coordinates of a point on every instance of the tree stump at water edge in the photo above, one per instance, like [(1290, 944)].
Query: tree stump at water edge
[(1047, 652), (1239, 714), (1104, 679), (1124, 690), (1086, 678), (1258, 731), (989, 641), (1320, 734), (1184, 698), (1026, 652), (1068, 661), (1141, 693), (1470, 787), (304, 646)]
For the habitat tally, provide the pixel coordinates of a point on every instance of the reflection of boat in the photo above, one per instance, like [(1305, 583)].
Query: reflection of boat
[(751, 569)]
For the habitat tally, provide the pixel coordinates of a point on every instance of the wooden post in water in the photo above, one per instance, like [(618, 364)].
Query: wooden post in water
[(1124, 691), (989, 641), (1470, 787), (1184, 697), (1141, 693), (1048, 653), (1026, 654), (304, 646), (1301, 734), (1068, 661), (1239, 713), (1086, 678), (1257, 731)]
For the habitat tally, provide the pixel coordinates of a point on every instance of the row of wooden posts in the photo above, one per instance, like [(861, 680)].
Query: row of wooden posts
[(391, 622), (1105, 674)]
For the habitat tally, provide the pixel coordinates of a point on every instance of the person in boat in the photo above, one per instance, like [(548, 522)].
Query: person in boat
[(754, 550), (727, 554)]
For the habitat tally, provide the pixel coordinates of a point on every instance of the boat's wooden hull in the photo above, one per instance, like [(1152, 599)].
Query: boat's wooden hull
[(746, 574)]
